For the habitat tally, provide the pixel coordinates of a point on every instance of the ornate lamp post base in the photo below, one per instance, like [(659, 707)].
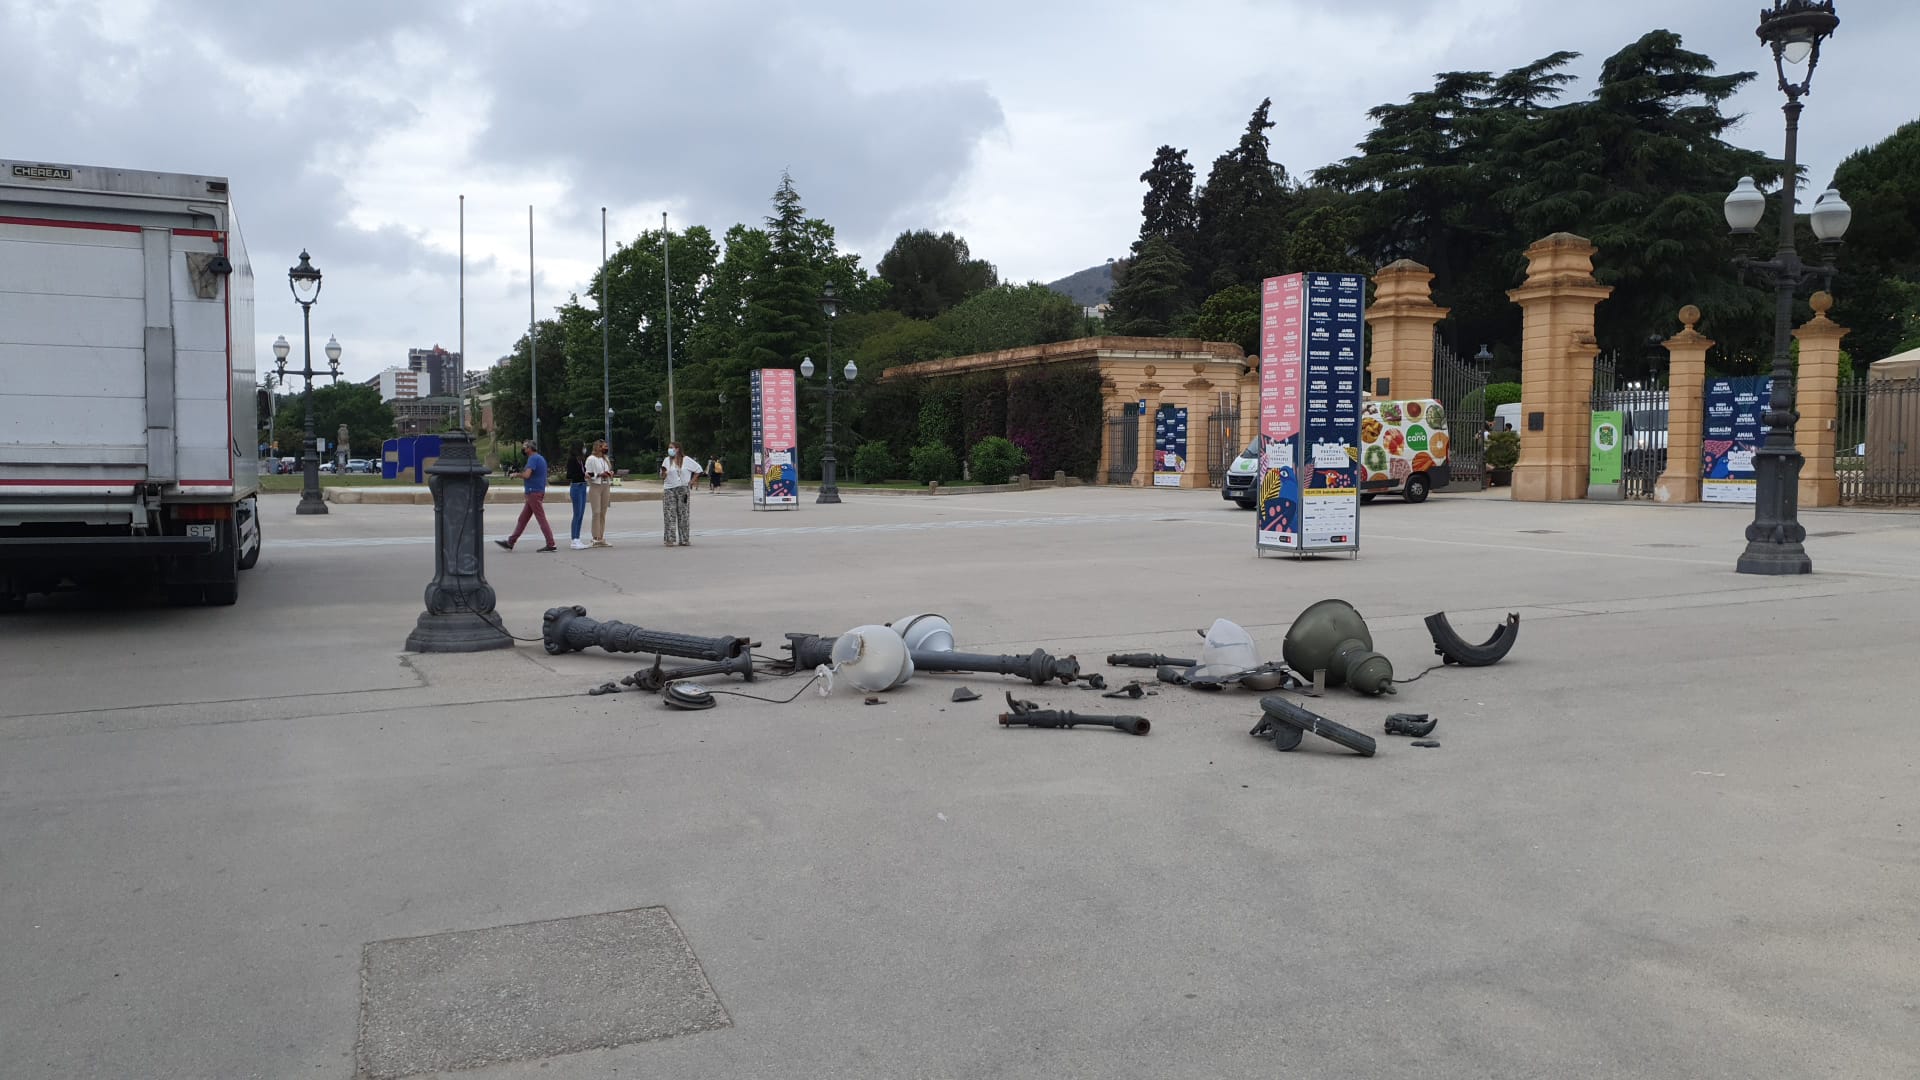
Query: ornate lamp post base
[(459, 615), (1775, 539)]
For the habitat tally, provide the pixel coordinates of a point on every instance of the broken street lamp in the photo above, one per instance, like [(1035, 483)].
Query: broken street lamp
[(1331, 636)]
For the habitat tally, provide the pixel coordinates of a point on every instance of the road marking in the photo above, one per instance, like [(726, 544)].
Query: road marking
[(1053, 521)]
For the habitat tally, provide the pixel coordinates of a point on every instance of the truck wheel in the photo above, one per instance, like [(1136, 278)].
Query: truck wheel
[(221, 595), (1367, 497), (251, 558), (1417, 487), (1244, 504)]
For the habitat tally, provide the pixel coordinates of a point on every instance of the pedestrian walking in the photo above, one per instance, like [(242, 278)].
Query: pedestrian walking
[(676, 473), (577, 491), (600, 489), (534, 484), (716, 474)]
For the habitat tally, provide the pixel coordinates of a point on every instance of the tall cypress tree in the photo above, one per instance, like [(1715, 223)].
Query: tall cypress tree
[(1241, 213), (1168, 211), (783, 309)]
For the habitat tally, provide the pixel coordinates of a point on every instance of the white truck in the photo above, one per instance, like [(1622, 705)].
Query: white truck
[(127, 398)]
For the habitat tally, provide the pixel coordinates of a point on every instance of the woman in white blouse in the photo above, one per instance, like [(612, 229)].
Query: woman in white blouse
[(676, 474), (600, 489)]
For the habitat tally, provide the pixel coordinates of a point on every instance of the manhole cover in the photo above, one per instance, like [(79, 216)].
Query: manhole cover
[(469, 998), (1542, 532)]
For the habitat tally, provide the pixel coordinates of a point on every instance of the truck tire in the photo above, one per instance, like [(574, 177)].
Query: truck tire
[(252, 558), (1417, 487), (1367, 497), (1244, 504)]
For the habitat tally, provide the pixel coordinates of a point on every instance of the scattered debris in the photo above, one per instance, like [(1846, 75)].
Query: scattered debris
[(1038, 667), (1032, 715), (686, 696), (567, 629), (1426, 744), (1452, 649), (656, 677), (965, 694), (876, 701), (1147, 660), (1331, 637), (1418, 725), (1131, 690), (1095, 681), (1281, 713), (604, 688)]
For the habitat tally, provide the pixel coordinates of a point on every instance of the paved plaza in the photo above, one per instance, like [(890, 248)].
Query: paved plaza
[(1675, 833)]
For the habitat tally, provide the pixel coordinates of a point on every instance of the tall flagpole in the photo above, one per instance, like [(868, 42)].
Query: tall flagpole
[(533, 326), (666, 271), (462, 366), (606, 320)]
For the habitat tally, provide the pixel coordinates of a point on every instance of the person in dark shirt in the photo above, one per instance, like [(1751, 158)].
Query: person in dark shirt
[(534, 475), (577, 491)]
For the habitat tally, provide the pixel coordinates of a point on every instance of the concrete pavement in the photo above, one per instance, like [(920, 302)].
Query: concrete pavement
[(1672, 835)]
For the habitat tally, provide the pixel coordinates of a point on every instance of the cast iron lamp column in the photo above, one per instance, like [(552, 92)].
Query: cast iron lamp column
[(1793, 29), (304, 280), (829, 484), (829, 467)]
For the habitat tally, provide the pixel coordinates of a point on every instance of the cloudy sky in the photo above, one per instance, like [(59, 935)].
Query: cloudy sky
[(351, 127)]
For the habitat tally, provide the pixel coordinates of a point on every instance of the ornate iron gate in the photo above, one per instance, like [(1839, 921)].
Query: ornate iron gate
[(1123, 445), (1222, 433), (1644, 406), (1877, 451), (1460, 386)]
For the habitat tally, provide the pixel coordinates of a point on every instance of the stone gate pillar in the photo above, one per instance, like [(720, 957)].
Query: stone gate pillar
[(1402, 317), (1201, 453), (1817, 394), (1557, 348), (1149, 395), (1686, 411)]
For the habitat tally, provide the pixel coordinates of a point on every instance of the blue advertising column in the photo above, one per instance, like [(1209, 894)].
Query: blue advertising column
[(1310, 395)]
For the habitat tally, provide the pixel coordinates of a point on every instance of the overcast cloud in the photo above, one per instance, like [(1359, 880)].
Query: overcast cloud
[(352, 127)]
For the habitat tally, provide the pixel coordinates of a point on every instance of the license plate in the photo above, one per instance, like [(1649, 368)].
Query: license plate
[(205, 530)]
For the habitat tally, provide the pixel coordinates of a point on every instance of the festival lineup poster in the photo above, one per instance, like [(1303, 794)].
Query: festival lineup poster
[(1734, 430), (776, 438), (1169, 446), (1310, 410), (1282, 355)]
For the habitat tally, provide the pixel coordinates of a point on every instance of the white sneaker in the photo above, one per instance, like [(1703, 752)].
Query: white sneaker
[(578, 545)]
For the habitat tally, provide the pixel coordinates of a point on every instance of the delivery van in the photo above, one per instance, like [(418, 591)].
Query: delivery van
[(1403, 449)]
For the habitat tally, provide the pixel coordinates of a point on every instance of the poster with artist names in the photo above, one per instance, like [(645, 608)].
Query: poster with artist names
[(776, 437), (1735, 427), (1282, 324), (1169, 445), (1310, 409)]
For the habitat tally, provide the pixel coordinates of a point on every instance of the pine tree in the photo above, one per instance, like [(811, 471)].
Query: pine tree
[(1241, 212), (783, 318), (1168, 210), (1150, 292)]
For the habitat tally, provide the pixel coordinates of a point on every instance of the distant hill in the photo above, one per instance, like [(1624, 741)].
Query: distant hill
[(1087, 288)]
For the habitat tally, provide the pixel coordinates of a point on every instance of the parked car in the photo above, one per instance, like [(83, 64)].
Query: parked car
[(361, 465)]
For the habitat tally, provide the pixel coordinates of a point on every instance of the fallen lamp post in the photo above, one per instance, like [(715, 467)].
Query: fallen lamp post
[(568, 629), (1038, 667)]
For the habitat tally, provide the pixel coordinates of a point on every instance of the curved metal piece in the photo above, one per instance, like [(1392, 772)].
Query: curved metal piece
[(1452, 649), (568, 629)]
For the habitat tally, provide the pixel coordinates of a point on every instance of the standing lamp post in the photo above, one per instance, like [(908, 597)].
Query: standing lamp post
[(1793, 29), (304, 280), (829, 480), (829, 467)]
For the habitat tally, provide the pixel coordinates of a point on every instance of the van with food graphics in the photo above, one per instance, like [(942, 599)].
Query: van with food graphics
[(1403, 449)]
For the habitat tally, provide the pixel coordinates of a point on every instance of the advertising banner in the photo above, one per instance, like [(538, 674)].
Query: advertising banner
[(1732, 433), (1310, 395), (1169, 446), (776, 438), (1605, 450)]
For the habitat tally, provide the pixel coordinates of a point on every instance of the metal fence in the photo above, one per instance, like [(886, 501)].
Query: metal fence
[(1460, 386), (1223, 434), (1644, 454), (1123, 445), (1877, 444)]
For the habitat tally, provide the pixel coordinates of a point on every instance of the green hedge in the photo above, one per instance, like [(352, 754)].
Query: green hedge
[(1053, 413), (932, 463), (996, 460)]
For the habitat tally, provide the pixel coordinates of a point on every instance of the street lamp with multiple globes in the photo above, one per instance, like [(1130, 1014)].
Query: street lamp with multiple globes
[(829, 468), (304, 280), (1793, 29)]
